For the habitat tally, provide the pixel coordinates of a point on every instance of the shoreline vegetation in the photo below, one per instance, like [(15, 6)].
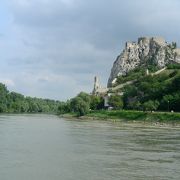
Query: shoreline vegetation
[(126, 116), (12, 102), (149, 99)]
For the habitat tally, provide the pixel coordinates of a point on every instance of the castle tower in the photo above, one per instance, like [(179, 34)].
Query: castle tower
[(96, 85)]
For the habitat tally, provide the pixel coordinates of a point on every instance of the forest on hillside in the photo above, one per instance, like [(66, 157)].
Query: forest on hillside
[(158, 92)]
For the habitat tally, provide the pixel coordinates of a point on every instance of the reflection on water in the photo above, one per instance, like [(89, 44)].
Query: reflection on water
[(44, 147)]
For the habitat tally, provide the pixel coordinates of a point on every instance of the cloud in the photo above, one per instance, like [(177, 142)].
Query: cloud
[(54, 48), (7, 82)]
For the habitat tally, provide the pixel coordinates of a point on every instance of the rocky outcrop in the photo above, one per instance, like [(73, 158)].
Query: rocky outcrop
[(154, 50)]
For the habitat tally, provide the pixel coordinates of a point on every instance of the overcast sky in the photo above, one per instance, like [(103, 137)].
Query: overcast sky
[(54, 48)]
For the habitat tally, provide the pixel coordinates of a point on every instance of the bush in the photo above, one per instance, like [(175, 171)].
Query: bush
[(79, 106), (150, 105), (116, 102), (173, 66), (96, 103)]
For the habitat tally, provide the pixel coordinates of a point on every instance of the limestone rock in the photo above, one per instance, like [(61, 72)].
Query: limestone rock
[(148, 50)]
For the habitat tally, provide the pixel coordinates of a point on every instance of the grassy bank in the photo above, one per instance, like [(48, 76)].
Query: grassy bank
[(136, 116)]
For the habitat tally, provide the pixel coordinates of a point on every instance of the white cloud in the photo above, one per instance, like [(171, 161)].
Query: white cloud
[(7, 82), (54, 48), (21, 3)]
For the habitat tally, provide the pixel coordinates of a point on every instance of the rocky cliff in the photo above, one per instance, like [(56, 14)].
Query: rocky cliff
[(153, 50)]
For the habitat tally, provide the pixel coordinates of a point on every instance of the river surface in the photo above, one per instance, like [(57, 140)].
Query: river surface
[(46, 147)]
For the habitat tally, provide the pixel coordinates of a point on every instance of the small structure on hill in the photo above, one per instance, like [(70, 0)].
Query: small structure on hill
[(98, 89)]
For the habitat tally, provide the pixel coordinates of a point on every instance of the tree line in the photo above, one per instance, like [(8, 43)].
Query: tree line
[(12, 102), (149, 93)]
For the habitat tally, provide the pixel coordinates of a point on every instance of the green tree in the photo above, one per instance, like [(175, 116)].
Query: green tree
[(116, 101), (135, 104), (63, 108), (96, 103), (79, 106), (86, 97), (150, 105), (3, 98)]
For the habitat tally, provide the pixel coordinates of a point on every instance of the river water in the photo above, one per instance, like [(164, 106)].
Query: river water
[(45, 147)]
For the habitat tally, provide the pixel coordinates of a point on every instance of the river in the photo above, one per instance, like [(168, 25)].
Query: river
[(46, 147)]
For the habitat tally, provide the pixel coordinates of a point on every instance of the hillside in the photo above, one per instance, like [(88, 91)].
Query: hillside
[(152, 92)]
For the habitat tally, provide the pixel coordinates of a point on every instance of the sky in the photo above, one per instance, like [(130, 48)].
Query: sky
[(54, 48)]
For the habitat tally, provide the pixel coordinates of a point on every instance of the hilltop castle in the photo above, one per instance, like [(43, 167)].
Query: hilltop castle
[(148, 50)]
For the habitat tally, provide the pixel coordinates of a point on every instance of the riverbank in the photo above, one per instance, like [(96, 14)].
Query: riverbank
[(155, 118)]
